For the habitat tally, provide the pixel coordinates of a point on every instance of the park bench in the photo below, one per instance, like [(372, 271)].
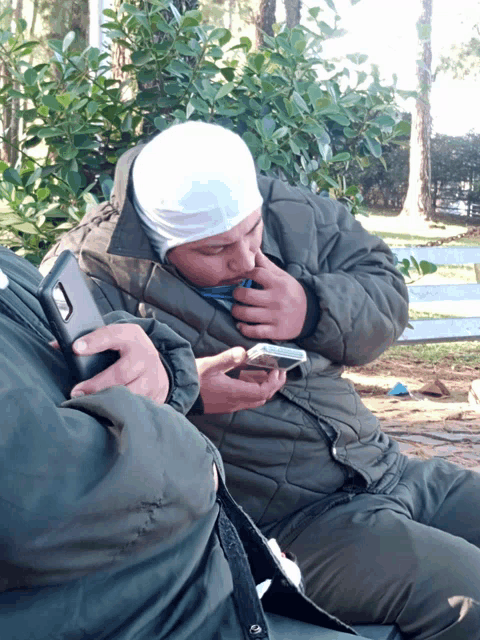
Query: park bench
[(442, 329)]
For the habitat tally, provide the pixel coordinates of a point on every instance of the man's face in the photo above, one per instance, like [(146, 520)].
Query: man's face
[(226, 258)]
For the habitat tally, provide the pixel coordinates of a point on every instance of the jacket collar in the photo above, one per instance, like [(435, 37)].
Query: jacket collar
[(129, 238)]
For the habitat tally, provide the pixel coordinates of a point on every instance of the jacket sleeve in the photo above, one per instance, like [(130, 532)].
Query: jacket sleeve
[(361, 296), (89, 485), (176, 355)]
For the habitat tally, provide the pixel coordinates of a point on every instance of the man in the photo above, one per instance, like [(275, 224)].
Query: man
[(111, 525), (192, 238)]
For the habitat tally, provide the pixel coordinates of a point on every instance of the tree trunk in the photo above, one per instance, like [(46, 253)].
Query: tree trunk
[(292, 11), (264, 20), (10, 121), (418, 202)]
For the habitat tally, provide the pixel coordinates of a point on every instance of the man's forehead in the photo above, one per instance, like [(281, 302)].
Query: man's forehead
[(237, 232)]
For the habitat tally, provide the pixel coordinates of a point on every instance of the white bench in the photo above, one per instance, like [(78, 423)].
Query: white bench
[(442, 329)]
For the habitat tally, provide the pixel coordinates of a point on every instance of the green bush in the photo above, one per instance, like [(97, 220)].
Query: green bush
[(304, 118)]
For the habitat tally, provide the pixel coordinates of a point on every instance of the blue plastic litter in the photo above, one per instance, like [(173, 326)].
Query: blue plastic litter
[(398, 390)]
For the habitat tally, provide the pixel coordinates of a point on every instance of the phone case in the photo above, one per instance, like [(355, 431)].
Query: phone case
[(269, 356), (72, 312)]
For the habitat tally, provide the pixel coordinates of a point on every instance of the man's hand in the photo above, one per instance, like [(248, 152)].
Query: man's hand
[(222, 394), (139, 367), (278, 310)]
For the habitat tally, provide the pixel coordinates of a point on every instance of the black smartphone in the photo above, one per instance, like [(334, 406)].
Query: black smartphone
[(72, 313)]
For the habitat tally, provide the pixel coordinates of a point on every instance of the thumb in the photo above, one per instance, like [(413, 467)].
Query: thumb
[(226, 360)]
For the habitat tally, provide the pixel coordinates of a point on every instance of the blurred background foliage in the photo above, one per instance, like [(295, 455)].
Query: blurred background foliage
[(71, 110)]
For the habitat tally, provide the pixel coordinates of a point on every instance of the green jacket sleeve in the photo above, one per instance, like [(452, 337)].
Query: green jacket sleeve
[(362, 298), (88, 485), (176, 354)]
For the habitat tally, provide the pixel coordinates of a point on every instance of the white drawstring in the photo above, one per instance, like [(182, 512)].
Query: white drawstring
[(3, 280)]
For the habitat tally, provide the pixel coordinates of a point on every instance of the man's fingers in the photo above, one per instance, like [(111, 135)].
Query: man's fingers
[(118, 337), (252, 375), (257, 331), (121, 373), (259, 315), (252, 297), (274, 383), (221, 362)]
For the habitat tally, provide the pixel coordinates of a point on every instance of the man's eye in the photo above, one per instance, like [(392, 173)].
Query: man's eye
[(214, 252)]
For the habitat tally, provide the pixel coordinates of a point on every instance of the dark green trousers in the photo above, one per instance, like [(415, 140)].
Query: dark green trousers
[(411, 557)]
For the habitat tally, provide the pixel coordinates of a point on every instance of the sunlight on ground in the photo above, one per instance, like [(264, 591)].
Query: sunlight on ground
[(417, 230)]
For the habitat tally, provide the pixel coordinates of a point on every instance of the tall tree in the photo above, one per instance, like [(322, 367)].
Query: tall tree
[(293, 10), (418, 202), (264, 20)]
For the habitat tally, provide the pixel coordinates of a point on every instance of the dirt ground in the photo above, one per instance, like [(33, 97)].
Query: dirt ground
[(425, 425)]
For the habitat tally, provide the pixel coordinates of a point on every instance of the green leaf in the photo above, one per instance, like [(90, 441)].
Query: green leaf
[(140, 58), (64, 99), (299, 101), (224, 90), (344, 156), (349, 133), (30, 76), (49, 132), (373, 146), (427, 267), (357, 58), (74, 180), (51, 102), (246, 43), (329, 180), (331, 5), (228, 73), (160, 123), (43, 193), (267, 126), (26, 227), (280, 133), (263, 162), (325, 151), (92, 107), (189, 110), (339, 118), (12, 176), (67, 41), (402, 128), (257, 61), (384, 121), (34, 176), (353, 190)]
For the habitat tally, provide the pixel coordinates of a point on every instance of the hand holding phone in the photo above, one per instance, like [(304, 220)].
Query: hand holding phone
[(72, 313)]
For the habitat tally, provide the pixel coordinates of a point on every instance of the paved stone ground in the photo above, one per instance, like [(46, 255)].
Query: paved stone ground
[(461, 447), (426, 427)]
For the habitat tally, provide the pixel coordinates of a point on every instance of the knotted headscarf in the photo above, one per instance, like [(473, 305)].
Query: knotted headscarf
[(192, 181)]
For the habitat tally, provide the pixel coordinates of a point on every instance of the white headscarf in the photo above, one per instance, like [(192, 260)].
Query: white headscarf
[(192, 181)]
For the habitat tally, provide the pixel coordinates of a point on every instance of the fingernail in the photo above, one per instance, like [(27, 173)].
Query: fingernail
[(80, 345), (77, 393), (238, 355)]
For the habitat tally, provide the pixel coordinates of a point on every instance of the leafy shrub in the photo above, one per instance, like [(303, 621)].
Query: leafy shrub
[(304, 118)]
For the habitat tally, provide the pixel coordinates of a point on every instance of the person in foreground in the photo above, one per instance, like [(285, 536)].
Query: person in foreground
[(194, 238), (111, 523)]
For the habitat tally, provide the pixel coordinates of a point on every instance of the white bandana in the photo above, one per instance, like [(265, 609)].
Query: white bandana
[(192, 181)]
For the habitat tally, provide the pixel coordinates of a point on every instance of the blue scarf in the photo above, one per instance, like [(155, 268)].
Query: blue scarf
[(223, 294)]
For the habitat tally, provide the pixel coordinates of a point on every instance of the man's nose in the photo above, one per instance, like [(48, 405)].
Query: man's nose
[(243, 259)]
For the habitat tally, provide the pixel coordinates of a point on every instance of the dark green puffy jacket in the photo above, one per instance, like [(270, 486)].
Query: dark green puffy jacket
[(315, 437), (107, 502)]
